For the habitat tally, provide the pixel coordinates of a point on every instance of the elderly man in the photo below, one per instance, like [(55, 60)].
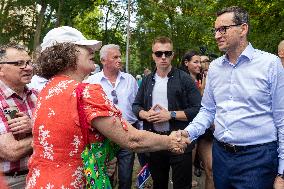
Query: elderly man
[(281, 51), (244, 98), (16, 106), (121, 88)]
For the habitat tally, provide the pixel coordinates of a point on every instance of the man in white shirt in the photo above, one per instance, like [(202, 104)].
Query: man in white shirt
[(121, 89)]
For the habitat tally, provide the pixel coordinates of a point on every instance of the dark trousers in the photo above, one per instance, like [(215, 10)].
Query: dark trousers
[(125, 168), (159, 165), (253, 168)]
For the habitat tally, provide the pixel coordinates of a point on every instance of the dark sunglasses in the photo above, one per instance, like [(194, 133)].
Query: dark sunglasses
[(22, 64), (166, 53), (114, 95)]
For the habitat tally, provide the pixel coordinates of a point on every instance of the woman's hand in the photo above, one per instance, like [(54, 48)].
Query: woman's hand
[(111, 166), (179, 141)]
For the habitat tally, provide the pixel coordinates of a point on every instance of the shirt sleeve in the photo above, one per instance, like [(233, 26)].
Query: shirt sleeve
[(206, 115), (96, 104), (277, 91)]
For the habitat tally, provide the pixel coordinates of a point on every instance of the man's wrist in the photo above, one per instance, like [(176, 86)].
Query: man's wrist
[(142, 114), (280, 175)]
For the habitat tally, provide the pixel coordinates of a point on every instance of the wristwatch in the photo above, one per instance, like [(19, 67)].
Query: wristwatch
[(173, 115)]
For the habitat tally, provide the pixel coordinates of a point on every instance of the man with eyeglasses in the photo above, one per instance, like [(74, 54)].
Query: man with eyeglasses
[(244, 98), (17, 103), (167, 100), (121, 89)]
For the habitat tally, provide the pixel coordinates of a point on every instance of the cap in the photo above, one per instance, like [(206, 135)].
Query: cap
[(67, 34), (138, 77)]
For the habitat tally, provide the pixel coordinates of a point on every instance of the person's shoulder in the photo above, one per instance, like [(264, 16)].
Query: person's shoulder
[(180, 73), (93, 79), (259, 52), (128, 76)]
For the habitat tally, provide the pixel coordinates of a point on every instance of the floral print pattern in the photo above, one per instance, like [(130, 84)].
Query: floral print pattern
[(58, 142)]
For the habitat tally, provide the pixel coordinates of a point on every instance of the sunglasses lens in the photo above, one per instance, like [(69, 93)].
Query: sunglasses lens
[(113, 93), (168, 53), (158, 53), (115, 100)]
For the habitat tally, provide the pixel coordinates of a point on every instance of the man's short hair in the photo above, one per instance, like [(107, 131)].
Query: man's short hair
[(240, 15), (3, 48), (163, 40), (105, 48)]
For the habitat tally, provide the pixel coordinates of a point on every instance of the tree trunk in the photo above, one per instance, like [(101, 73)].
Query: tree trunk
[(39, 24), (59, 15)]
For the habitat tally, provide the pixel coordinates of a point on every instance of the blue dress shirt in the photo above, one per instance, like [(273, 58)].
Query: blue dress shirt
[(126, 88), (245, 100)]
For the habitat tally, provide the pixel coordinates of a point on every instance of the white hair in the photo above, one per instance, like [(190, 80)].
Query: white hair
[(105, 48)]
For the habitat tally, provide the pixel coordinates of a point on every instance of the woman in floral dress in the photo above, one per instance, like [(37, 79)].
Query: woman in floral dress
[(66, 59)]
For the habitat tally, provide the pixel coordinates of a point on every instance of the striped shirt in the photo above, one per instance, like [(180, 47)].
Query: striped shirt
[(9, 99)]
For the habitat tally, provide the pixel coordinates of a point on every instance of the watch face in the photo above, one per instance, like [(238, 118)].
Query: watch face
[(173, 114)]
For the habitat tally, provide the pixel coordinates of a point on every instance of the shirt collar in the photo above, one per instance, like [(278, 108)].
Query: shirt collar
[(8, 92), (246, 54), (119, 76), (171, 73)]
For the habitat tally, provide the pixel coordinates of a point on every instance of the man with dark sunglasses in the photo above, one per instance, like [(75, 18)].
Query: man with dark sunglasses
[(244, 99), (17, 103), (167, 100), (121, 89)]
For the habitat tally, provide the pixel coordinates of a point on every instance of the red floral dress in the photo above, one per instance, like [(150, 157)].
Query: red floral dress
[(57, 136)]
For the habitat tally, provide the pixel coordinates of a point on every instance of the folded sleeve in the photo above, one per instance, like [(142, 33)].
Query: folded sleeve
[(96, 104)]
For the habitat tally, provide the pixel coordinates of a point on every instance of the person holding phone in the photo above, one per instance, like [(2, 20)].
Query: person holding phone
[(17, 103)]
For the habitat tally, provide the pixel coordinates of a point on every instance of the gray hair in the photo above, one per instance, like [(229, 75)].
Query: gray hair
[(105, 48), (240, 15), (3, 48)]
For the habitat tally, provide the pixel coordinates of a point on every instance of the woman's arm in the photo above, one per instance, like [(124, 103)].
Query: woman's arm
[(138, 140)]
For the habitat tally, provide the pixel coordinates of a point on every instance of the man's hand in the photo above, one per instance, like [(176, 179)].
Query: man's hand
[(111, 166), (21, 124), (161, 114), (179, 141), (148, 114), (278, 183)]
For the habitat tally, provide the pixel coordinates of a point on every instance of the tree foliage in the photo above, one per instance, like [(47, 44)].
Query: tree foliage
[(187, 22)]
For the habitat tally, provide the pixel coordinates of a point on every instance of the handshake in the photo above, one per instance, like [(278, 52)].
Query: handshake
[(179, 141)]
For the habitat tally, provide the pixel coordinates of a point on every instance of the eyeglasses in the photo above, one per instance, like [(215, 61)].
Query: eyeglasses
[(114, 95), (223, 29), (159, 54), (22, 64)]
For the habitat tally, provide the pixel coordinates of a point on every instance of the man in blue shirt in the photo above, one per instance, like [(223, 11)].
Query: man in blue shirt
[(121, 89), (244, 98)]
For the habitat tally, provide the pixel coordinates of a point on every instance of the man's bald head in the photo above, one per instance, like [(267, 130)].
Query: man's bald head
[(281, 51)]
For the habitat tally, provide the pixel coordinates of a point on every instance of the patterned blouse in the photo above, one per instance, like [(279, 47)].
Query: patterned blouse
[(58, 142)]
